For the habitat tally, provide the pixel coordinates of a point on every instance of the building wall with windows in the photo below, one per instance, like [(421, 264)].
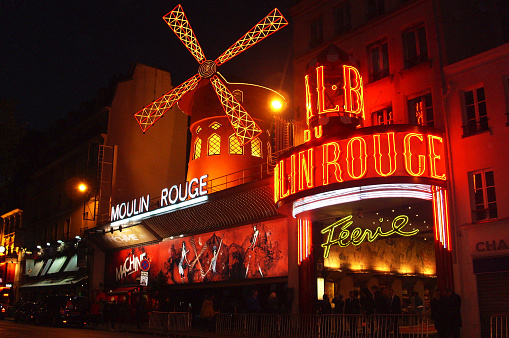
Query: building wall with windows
[(477, 103), (403, 49)]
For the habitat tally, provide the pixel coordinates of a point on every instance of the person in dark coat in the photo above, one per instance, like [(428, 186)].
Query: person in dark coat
[(381, 302), (367, 302), (324, 307), (453, 313), (437, 305), (253, 303), (352, 307), (339, 304), (272, 305), (394, 309)]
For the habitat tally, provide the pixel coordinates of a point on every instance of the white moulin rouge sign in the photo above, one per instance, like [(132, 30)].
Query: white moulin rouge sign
[(169, 196)]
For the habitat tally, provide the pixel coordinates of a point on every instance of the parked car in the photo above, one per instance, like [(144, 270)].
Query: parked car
[(26, 313), (63, 310)]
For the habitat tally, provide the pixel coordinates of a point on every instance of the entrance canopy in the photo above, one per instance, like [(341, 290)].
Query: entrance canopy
[(55, 282)]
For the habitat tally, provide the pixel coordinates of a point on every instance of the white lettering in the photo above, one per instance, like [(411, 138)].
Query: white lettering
[(203, 184), (193, 192), (131, 265), (173, 201), (164, 197)]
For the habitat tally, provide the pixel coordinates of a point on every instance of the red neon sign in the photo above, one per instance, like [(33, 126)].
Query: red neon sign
[(400, 153), (347, 101)]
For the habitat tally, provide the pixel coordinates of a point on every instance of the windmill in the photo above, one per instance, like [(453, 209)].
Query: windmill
[(242, 123)]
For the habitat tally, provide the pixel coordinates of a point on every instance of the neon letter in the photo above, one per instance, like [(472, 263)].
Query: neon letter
[(408, 155), (391, 144), (433, 157), (306, 168), (293, 174), (351, 159), (309, 109), (284, 190), (320, 88), (354, 96), (328, 162)]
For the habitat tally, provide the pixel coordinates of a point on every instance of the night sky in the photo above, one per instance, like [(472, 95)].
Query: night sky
[(56, 54)]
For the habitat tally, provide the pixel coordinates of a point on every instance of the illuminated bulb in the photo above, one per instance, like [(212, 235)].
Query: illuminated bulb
[(48, 244), (409, 207), (276, 104), (39, 247), (59, 241), (182, 235), (416, 215), (392, 210), (171, 237)]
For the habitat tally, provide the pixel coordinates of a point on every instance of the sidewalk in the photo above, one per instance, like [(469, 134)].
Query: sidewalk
[(132, 328)]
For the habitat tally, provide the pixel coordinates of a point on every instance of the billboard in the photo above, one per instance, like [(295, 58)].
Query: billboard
[(258, 250)]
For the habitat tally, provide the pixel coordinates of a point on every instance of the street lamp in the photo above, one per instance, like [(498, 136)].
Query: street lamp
[(82, 187)]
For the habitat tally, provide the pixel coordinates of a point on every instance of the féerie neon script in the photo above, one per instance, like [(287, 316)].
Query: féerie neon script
[(356, 236)]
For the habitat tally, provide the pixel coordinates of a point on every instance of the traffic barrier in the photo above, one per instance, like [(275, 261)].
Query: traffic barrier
[(499, 326), (179, 322), (230, 324), (158, 321), (407, 325), (343, 325), (293, 325)]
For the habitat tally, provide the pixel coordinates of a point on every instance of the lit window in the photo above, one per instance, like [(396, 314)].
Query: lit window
[(415, 48), (215, 125), (343, 18), (197, 148), (420, 110), (476, 115), (198, 130), (316, 33), (234, 145), (256, 147), (379, 61), (382, 117), (214, 145), (484, 200)]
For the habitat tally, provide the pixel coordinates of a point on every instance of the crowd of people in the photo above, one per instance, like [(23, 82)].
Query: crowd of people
[(444, 307)]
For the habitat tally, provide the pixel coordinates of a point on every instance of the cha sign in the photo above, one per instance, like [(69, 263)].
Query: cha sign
[(169, 196), (377, 152)]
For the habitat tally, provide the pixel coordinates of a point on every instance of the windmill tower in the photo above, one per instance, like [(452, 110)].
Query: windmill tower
[(225, 137)]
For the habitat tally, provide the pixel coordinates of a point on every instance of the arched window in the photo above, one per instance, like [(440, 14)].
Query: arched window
[(215, 125), (239, 95), (214, 145), (256, 147), (198, 130), (197, 148), (234, 145)]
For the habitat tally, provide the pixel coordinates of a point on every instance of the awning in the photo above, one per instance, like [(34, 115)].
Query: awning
[(55, 282)]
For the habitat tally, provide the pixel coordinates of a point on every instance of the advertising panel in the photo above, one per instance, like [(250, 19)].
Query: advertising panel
[(258, 250)]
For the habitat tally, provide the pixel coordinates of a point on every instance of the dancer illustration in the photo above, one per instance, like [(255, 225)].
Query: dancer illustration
[(183, 262)]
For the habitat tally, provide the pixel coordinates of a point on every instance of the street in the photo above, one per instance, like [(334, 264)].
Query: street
[(9, 329)]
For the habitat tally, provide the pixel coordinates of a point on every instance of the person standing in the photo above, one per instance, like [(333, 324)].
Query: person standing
[(253, 303), (394, 310), (207, 312), (453, 313), (95, 313), (272, 305), (339, 304), (324, 307), (437, 305), (352, 308)]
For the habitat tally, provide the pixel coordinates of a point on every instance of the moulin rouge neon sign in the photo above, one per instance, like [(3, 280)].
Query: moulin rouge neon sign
[(346, 237), (400, 152)]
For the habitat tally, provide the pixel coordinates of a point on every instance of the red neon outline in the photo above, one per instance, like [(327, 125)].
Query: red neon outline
[(350, 160), (285, 191), (408, 155), (326, 162), (309, 109), (378, 154), (433, 157), (320, 88), (350, 100), (306, 169), (293, 174)]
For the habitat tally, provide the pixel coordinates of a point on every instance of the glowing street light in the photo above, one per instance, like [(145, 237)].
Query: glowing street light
[(276, 105), (82, 187)]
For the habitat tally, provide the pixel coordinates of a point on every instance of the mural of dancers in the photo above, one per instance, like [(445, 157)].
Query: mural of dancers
[(253, 251)]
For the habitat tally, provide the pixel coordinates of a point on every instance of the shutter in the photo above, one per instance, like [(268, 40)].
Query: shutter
[(493, 289)]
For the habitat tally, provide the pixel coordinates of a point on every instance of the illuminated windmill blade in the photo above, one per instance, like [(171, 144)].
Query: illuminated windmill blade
[(244, 126), (178, 22), (273, 22), (153, 112)]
